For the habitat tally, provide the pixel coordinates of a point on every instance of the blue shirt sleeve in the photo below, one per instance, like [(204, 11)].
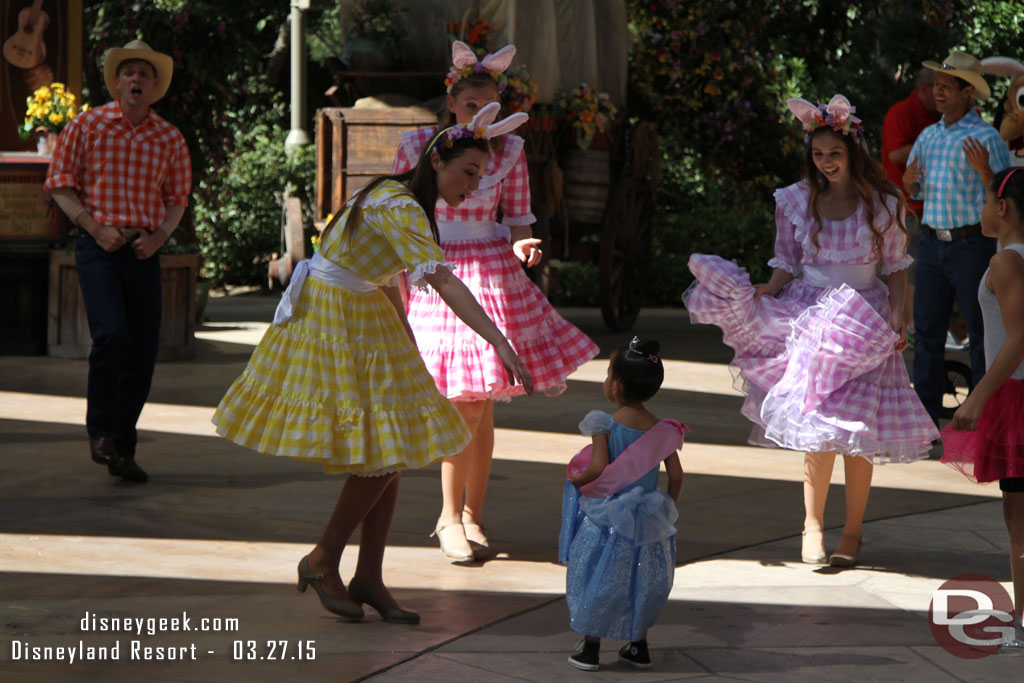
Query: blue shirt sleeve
[(998, 152)]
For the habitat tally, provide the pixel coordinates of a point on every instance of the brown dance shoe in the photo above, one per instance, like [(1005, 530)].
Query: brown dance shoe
[(390, 613), (345, 607)]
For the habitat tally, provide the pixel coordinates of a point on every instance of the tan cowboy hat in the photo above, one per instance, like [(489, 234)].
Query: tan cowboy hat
[(965, 66), (137, 49)]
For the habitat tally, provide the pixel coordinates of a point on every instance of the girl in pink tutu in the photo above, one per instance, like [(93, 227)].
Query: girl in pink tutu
[(818, 346), (985, 440), (467, 371)]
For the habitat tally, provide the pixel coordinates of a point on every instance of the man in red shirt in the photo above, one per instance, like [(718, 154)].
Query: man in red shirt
[(903, 123), (122, 174)]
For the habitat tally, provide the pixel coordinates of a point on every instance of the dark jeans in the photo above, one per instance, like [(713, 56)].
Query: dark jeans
[(945, 270), (122, 301)]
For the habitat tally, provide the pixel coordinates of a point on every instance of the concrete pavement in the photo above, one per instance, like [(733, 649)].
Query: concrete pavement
[(216, 534)]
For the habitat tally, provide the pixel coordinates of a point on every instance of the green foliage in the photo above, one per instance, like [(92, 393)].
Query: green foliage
[(239, 227), (380, 21), (325, 36), (715, 76), (218, 98), (576, 285)]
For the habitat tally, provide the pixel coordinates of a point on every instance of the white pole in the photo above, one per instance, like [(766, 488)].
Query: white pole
[(297, 136)]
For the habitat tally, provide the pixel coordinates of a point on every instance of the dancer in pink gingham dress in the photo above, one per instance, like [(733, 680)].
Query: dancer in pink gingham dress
[(466, 371), (820, 362)]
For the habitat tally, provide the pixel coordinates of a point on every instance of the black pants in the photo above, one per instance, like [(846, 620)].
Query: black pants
[(946, 270), (122, 301)]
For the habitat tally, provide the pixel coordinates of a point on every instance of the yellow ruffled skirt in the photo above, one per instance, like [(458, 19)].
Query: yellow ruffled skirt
[(342, 384)]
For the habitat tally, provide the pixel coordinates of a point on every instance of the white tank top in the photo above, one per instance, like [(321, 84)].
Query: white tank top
[(995, 331)]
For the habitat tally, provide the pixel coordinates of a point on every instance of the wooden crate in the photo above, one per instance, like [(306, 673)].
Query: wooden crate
[(68, 326), (354, 145)]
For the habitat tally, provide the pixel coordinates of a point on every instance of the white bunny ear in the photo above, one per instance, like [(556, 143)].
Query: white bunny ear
[(1002, 66), (804, 111), (500, 60), (840, 107), (506, 125), (485, 116), (462, 55)]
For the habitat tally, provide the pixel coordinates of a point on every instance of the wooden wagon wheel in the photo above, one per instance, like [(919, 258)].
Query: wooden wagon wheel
[(625, 252), (279, 270)]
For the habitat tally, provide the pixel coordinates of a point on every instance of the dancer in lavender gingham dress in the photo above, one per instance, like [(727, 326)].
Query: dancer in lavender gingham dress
[(818, 346)]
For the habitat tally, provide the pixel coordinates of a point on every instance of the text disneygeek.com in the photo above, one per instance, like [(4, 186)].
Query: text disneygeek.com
[(136, 649)]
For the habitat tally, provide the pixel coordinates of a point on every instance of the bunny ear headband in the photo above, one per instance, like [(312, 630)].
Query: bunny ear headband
[(482, 127), (464, 63), (1002, 66), (837, 115)]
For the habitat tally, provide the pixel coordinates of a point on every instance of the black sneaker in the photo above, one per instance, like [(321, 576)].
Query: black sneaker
[(586, 655), (635, 655)]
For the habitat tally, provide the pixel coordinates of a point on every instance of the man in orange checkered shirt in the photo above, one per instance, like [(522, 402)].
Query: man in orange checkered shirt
[(122, 175)]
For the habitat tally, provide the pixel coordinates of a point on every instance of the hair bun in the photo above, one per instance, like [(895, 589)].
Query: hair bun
[(644, 347)]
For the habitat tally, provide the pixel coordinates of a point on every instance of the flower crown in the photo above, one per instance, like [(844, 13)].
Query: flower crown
[(465, 64), (482, 127), (837, 115)]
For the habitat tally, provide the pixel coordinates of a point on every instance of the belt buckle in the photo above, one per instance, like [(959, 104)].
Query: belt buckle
[(944, 235)]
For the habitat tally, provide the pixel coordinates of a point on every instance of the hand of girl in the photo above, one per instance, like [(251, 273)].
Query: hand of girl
[(966, 417), (515, 368), (526, 250), (977, 155), (764, 288), (896, 325)]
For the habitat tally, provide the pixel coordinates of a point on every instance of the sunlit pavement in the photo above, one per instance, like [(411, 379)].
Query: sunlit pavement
[(216, 534)]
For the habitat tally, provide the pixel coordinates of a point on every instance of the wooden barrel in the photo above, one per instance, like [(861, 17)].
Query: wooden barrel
[(586, 175), (68, 328)]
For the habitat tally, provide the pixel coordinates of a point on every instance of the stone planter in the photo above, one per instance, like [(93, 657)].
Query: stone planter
[(68, 326)]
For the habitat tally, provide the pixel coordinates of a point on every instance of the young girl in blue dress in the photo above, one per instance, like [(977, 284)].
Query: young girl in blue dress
[(617, 536)]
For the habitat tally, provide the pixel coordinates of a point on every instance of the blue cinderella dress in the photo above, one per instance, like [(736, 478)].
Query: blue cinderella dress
[(620, 550)]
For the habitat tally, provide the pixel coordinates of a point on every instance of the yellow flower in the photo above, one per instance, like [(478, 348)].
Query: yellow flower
[(58, 87), (56, 118)]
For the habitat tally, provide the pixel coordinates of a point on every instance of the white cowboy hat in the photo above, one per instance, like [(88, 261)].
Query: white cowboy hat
[(965, 66), (137, 49)]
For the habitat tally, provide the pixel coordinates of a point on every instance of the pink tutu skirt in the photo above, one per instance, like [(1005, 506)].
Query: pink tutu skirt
[(817, 365), (467, 368), (995, 450)]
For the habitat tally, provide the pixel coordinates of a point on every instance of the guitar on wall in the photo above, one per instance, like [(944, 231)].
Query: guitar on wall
[(26, 49)]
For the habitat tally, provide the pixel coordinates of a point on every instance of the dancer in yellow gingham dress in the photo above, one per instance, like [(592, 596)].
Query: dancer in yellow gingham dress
[(337, 378), (341, 382)]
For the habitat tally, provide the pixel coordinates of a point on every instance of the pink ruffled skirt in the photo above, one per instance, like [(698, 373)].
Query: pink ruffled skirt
[(995, 450), (467, 368), (817, 365)]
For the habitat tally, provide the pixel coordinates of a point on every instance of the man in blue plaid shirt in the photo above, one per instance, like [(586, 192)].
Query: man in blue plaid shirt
[(951, 165)]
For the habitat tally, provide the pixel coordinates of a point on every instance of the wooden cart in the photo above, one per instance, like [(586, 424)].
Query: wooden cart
[(582, 198), (352, 146), (596, 205)]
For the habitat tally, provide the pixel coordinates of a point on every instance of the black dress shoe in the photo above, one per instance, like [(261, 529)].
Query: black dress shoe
[(125, 467), (102, 449)]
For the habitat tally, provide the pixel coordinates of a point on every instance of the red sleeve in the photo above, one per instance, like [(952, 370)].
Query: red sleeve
[(67, 158), (898, 130), (402, 161), (178, 184), (515, 195)]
